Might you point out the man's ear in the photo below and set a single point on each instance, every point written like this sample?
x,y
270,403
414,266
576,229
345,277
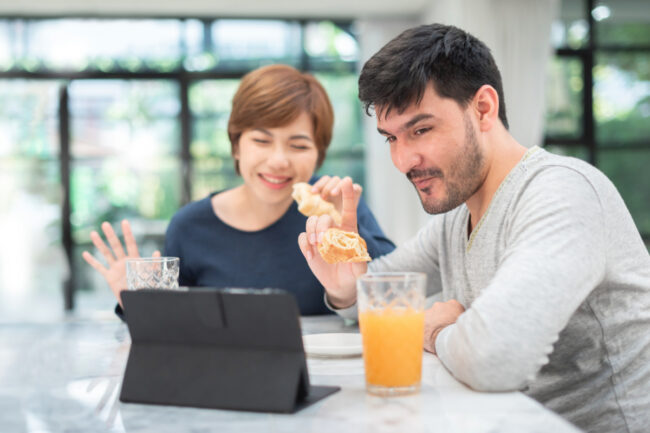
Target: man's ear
x,y
486,107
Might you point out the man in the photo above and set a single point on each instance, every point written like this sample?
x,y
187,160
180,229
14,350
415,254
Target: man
x,y
545,278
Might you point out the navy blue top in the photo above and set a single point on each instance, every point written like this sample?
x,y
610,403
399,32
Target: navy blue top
x,y
215,254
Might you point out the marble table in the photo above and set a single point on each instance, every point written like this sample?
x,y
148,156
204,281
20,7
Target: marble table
x,y
65,377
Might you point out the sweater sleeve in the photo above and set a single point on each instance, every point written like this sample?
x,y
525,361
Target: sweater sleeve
x,y
555,256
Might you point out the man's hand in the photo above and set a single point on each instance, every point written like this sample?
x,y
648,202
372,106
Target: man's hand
x,y
339,280
440,315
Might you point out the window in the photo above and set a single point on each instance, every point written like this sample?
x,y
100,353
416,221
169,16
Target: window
x,y
599,94
129,121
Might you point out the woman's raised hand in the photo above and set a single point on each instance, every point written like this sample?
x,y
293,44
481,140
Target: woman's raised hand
x,y
329,188
115,270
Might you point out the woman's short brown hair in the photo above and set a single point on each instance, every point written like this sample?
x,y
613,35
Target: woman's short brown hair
x,y
274,96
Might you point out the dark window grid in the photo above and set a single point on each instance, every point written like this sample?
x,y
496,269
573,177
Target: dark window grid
x,y
586,55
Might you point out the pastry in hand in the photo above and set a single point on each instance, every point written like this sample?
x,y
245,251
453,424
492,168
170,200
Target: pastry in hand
x,y
313,204
338,246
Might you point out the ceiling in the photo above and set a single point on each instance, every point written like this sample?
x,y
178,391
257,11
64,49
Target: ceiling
x,y
215,8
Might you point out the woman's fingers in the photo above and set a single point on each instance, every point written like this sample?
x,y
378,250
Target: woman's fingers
x,y
113,241
92,261
319,184
129,240
156,254
101,246
327,189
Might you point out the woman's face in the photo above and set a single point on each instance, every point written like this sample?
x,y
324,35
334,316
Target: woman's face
x,y
271,160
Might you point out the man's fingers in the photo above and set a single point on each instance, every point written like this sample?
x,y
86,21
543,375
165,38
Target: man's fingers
x,y
92,261
305,247
101,246
113,241
358,189
324,222
310,230
349,210
129,240
156,254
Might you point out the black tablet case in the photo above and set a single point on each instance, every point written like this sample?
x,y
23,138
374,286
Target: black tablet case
x,y
227,349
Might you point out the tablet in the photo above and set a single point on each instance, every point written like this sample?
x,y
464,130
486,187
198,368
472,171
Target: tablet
x,y
238,349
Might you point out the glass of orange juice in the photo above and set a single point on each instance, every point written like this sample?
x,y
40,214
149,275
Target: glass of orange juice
x,y
391,319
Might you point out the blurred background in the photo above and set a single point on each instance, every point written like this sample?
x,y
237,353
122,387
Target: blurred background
x,y
113,111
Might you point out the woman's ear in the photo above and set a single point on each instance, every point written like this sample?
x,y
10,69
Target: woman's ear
x,y
486,107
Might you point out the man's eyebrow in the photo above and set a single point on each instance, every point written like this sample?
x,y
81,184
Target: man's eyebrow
x,y
416,119
410,123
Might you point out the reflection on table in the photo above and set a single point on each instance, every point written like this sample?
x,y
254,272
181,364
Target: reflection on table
x,y
66,376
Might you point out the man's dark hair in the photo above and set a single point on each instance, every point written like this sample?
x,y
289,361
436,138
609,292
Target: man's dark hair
x,y
457,64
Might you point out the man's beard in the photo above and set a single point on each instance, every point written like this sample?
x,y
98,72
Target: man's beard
x,y
463,178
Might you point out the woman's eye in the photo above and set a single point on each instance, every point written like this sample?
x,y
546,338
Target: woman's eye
x,y
299,146
261,141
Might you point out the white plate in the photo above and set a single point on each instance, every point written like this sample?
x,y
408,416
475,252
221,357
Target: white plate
x,y
333,345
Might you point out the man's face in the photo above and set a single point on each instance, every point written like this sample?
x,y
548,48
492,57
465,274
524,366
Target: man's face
x,y
435,144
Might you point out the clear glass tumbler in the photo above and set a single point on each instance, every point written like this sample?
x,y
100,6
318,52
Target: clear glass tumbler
x,y
152,273
391,319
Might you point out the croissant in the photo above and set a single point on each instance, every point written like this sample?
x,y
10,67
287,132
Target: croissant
x,y
338,246
313,204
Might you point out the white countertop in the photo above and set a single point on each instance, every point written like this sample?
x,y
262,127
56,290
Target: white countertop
x,y
66,376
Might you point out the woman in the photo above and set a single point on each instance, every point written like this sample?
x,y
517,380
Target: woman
x,y
279,129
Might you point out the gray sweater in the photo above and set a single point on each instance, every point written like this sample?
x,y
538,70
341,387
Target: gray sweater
x,y
556,282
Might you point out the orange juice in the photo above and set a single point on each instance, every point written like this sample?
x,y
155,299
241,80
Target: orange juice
x,y
392,346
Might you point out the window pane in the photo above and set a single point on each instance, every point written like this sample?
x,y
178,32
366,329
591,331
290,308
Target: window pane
x,y
328,45
571,29
343,90
33,266
628,169
564,92
580,152
622,22
212,165
125,147
106,44
211,175
247,44
29,118
135,119
210,103
622,97
6,54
